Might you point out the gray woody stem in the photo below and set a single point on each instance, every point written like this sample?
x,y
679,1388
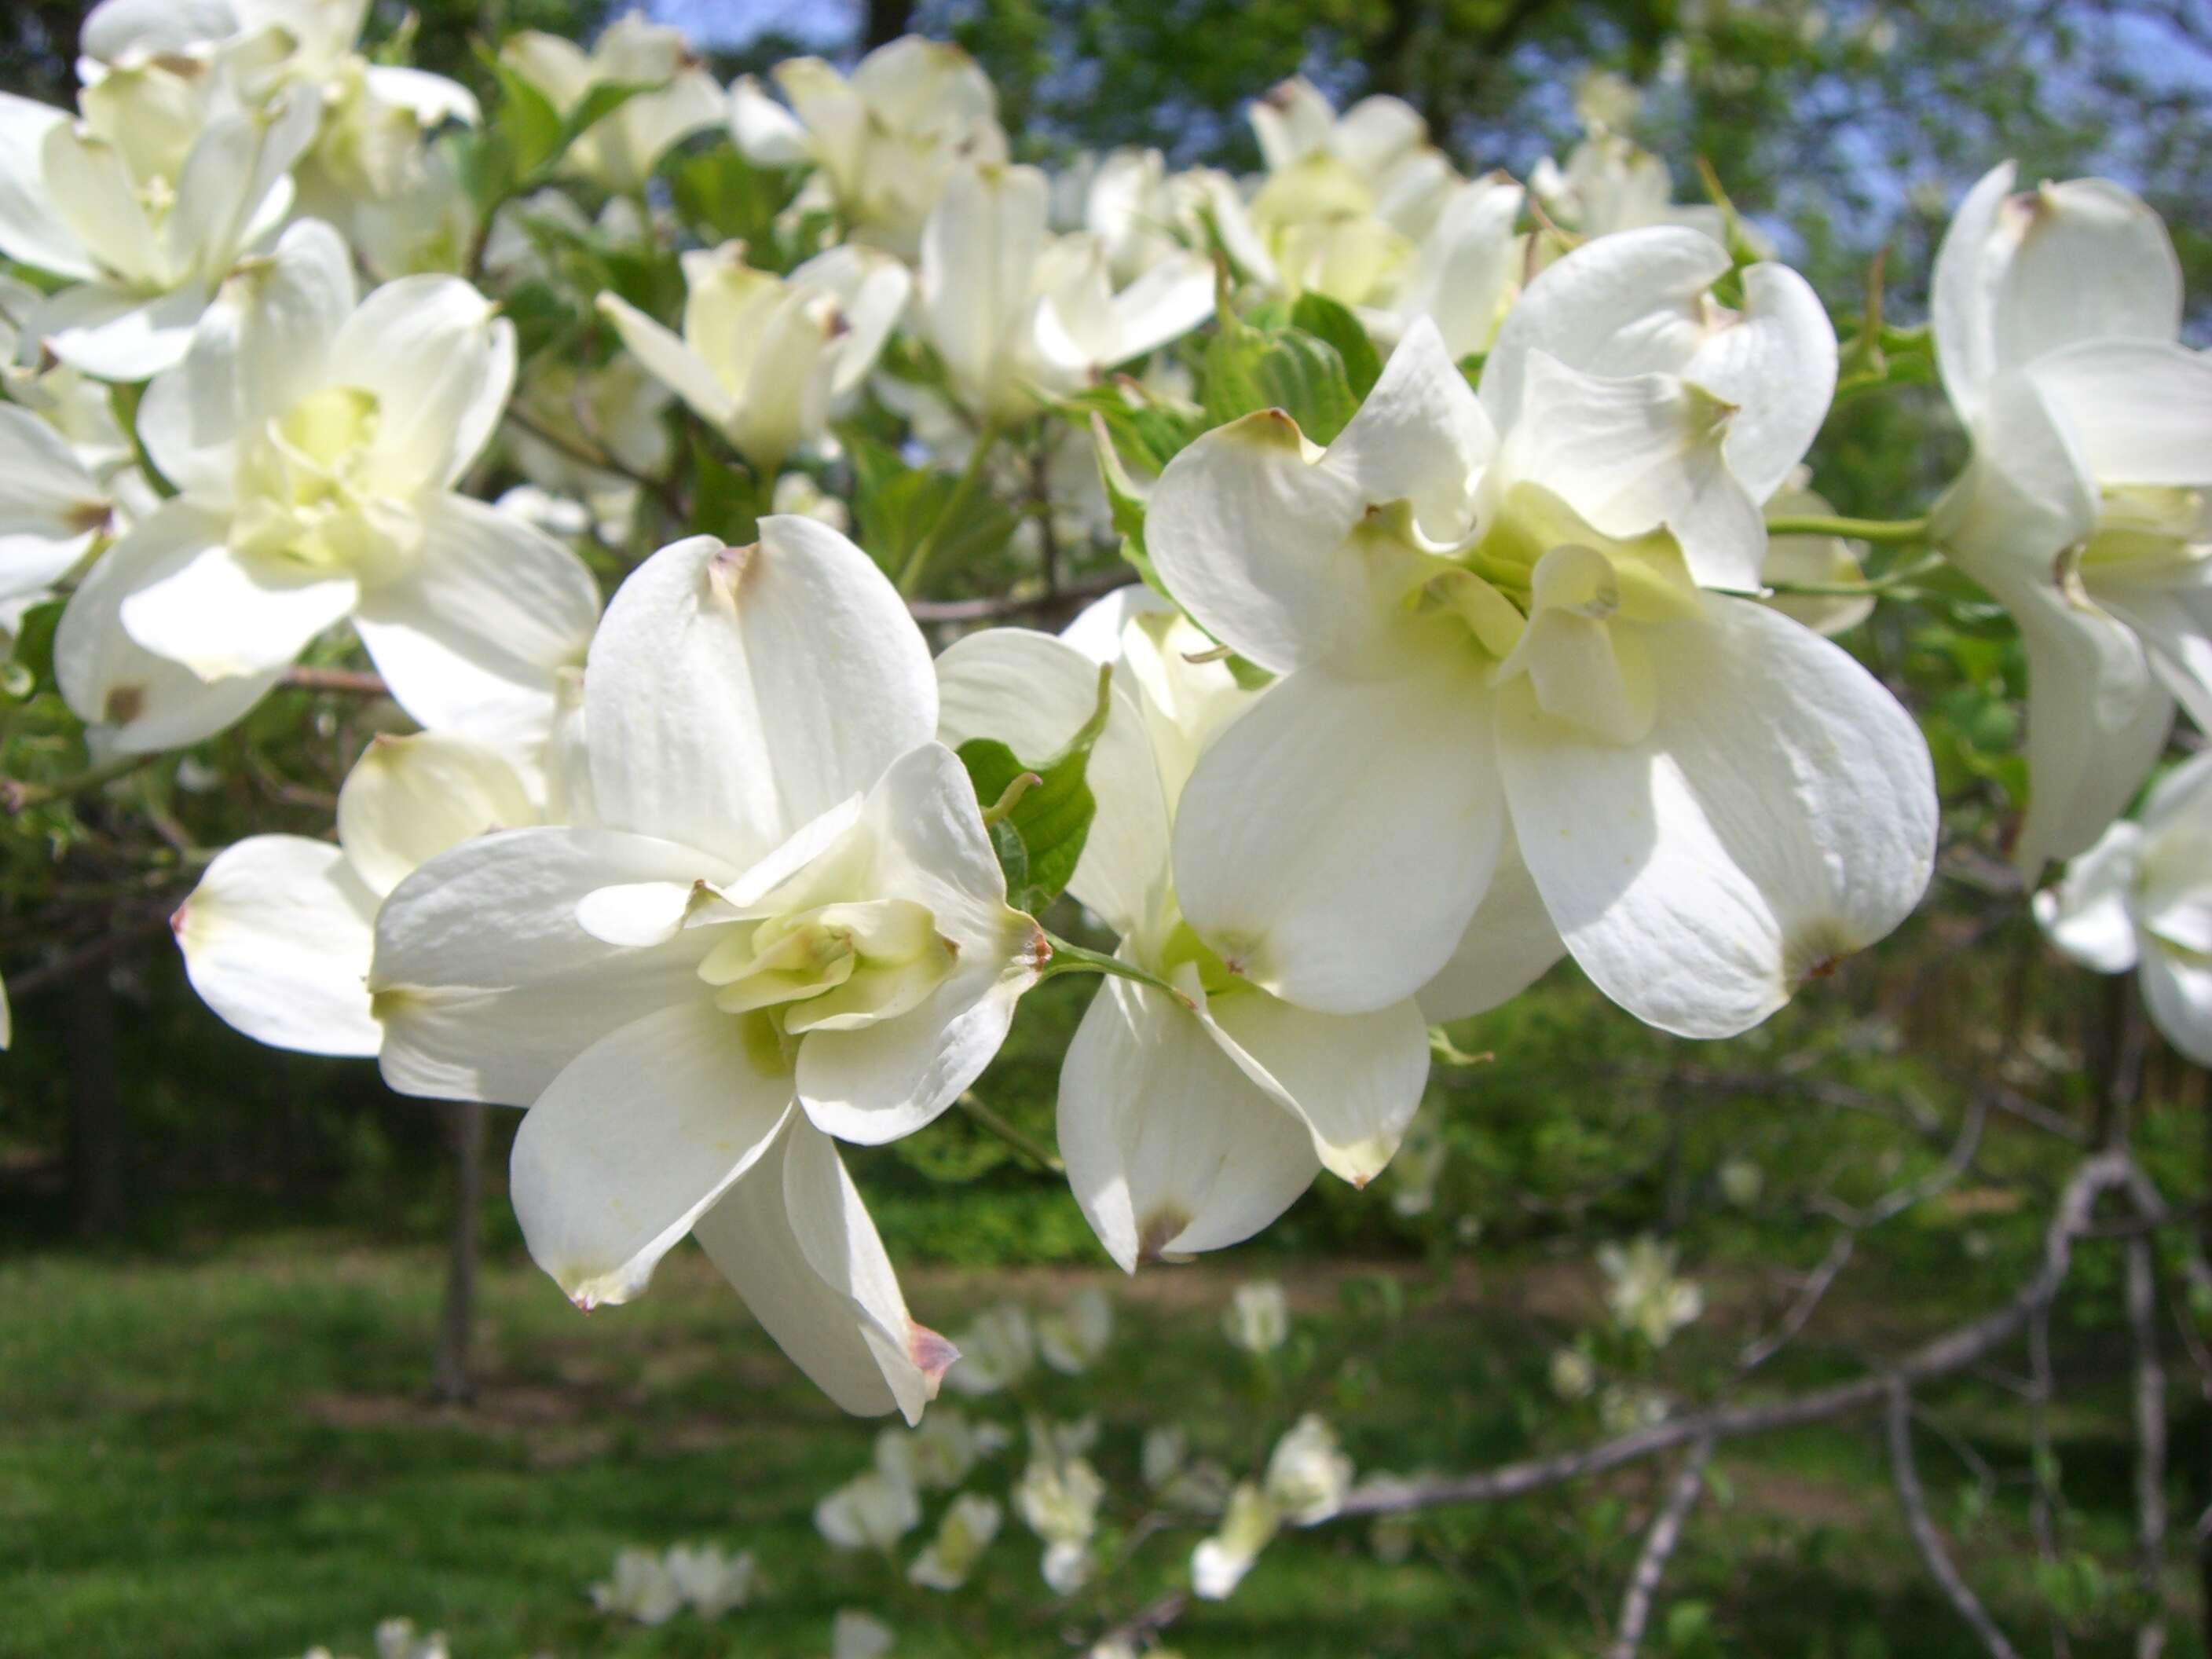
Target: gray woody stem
x,y
1658,1549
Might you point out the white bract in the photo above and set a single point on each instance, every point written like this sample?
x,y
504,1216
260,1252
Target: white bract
x,y
1187,1125
1072,1337
143,202
1058,1499
1018,314
766,359
2084,511
2141,898
641,1588
1512,711
617,152
316,443
873,1510
883,143
969,1524
787,925
277,936
1258,1317
996,1352
53,509
711,1580
1644,1293
1219,1563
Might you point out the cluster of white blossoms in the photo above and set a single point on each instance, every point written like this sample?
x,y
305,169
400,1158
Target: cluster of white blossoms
x,y
651,1587
1485,669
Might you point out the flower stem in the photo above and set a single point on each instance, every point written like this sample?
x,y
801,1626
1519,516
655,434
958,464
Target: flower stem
x,y
1069,958
1028,1146
1894,530
1891,581
917,563
16,796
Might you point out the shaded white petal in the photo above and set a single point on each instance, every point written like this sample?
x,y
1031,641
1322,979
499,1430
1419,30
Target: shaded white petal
x,y
1509,945
486,982
32,229
1780,814
733,693
2085,914
476,633
440,362
669,361
636,1138
117,334
133,701
1170,1149
50,506
1334,840
220,615
766,134
408,800
1354,1079
796,1242
277,939
2140,410
2177,991
1633,455
876,1083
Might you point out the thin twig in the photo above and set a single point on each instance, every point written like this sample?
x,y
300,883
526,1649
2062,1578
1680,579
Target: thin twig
x,y
352,682
2150,1445
1955,1350
58,970
1758,1354
2043,1506
1027,1145
1658,1549
1936,1558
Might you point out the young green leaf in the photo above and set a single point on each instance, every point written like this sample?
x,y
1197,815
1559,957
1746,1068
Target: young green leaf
x,y
1038,829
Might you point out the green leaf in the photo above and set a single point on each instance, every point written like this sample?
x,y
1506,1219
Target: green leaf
x,y
1324,319
897,505
35,643
1040,832
725,197
524,118
722,497
1247,368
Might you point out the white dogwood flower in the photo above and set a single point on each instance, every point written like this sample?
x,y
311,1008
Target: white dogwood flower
x,y
53,509
277,936
970,1522
143,203
1017,313
1512,714
2084,510
885,141
873,1510
1258,1317
1072,1337
2141,898
315,443
618,151
766,359
788,924
1189,1126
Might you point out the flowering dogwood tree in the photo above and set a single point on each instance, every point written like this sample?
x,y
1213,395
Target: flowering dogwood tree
x,y
810,579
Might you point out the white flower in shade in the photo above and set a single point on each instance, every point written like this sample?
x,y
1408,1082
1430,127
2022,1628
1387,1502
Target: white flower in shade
x,y
1418,1168
1381,142
1165,1448
143,203
2141,898
1219,1564
277,936
871,1511
2087,508
855,1635
1610,184
1308,1473
1058,1499
617,409
1573,1375
1017,315
641,1588
395,1638
1742,1182
1258,1317
1502,659
788,924
996,1352
939,1454
1189,1126
53,509
795,492
1643,1292
618,151
316,443
883,142
1815,561
712,1581
766,359
969,1524
1071,1336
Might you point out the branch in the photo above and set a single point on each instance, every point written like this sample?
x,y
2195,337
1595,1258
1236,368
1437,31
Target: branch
x,y
1658,1548
997,605
56,970
2150,1445
352,682
1917,1521
1954,1351
662,489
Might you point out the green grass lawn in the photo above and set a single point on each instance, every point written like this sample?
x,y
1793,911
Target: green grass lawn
x,y
233,1455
